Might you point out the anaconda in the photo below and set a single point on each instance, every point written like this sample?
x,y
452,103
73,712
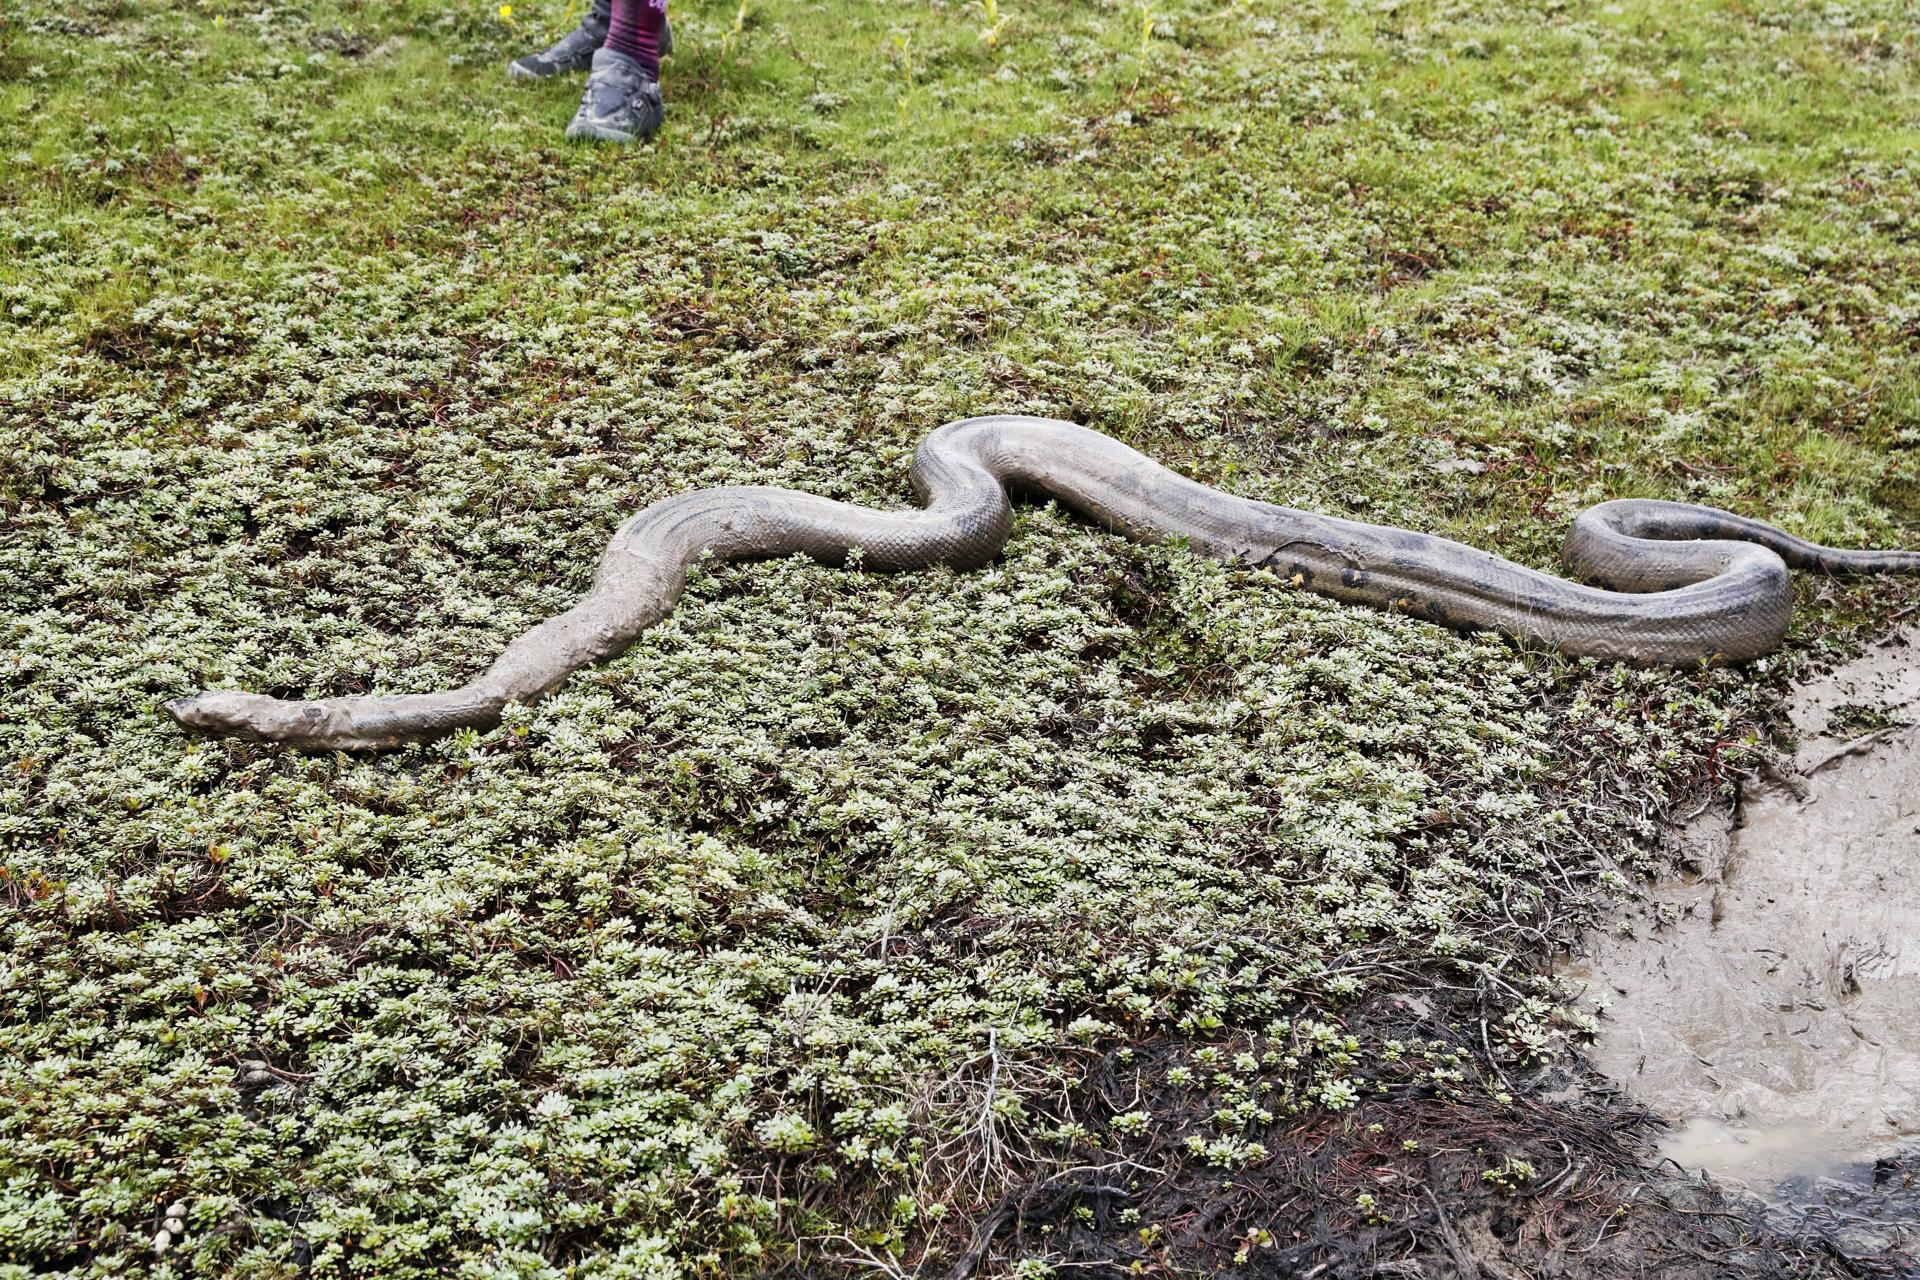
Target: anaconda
x,y
1667,583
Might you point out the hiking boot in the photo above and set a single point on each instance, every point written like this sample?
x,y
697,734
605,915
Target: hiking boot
x,y
574,51
570,53
621,103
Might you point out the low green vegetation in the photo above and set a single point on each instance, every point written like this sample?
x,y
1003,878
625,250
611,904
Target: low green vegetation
x,y
845,912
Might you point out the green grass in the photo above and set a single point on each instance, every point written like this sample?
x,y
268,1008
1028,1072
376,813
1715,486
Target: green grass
x,y
797,934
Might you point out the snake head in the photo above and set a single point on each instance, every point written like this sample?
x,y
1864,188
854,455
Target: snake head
x,y
225,713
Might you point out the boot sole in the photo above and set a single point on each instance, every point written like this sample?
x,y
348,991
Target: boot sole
x,y
577,132
517,72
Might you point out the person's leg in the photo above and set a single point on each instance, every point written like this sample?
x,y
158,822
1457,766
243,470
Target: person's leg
x,y
635,29
622,100
574,51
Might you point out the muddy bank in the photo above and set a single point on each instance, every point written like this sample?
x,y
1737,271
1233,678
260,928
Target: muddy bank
x,y
1767,1001
1399,1187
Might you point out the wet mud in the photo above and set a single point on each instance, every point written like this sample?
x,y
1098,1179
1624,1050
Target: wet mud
x,y
1767,1001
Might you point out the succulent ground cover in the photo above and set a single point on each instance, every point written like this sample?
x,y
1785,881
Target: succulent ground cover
x,y
1107,910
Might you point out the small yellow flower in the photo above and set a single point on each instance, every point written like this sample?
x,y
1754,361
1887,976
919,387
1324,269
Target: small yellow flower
x,y
219,19
506,11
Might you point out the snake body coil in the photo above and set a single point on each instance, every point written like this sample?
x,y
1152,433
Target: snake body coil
x,y
1674,584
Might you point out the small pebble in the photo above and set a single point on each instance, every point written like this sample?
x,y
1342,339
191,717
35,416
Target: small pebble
x,y
161,1239
178,1209
174,1225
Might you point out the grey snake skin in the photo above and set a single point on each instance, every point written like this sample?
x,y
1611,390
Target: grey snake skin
x,y
1673,584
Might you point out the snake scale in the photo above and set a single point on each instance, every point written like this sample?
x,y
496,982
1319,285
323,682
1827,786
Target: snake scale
x,y
1671,583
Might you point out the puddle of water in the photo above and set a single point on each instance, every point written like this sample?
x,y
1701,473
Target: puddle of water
x,y
1768,1003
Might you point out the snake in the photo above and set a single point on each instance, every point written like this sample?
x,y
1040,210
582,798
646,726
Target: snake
x,y
1664,583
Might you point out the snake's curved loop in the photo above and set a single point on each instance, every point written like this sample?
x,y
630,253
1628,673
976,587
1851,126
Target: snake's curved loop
x,y
1674,584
